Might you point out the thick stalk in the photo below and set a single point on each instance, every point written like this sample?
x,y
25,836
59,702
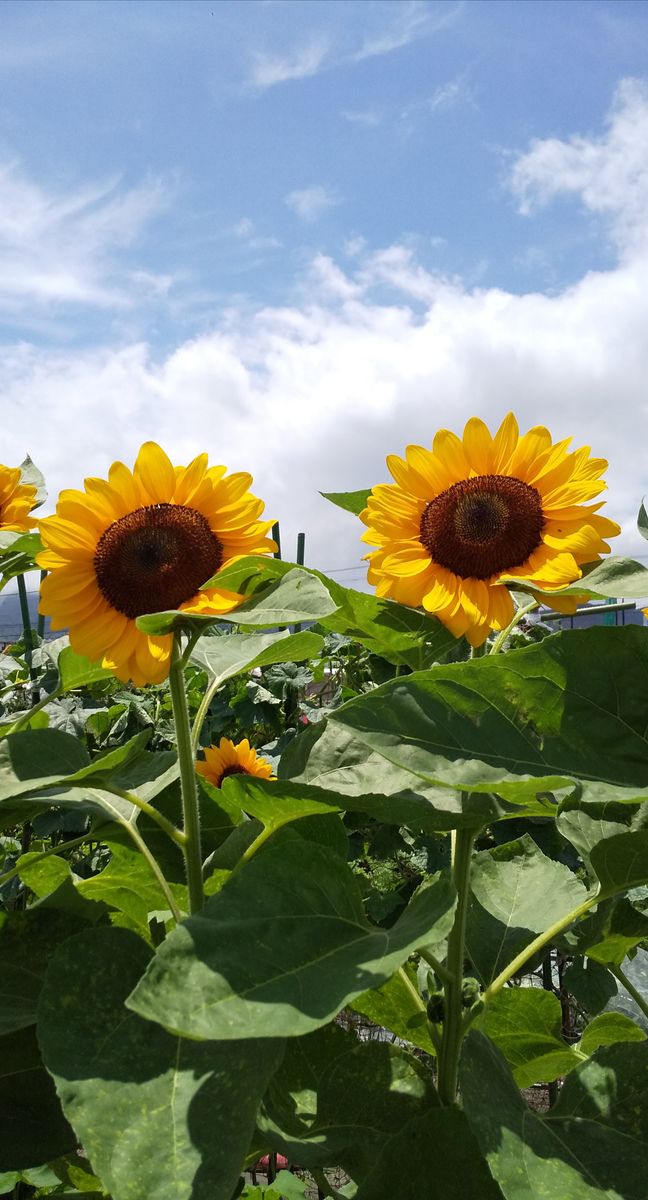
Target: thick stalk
x,y
191,850
462,844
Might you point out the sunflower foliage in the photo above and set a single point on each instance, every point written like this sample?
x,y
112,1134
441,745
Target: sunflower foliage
x,y
249,815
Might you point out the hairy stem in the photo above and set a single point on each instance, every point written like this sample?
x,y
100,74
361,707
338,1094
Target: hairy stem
x,y
199,719
176,835
498,644
538,943
191,849
154,867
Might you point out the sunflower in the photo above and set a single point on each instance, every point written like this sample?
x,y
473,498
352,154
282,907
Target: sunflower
x,y
16,501
144,541
232,759
469,512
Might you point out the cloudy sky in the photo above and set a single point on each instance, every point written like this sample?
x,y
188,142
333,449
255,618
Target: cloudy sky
x,y
302,234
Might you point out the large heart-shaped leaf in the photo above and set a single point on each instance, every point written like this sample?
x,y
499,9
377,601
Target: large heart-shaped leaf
x,y
570,707
282,948
593,1144
157,1116
517,892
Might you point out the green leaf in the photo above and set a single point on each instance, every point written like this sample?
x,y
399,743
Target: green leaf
x,y
609,934
621,862
607,1030
525,1024
301,908
43,875
27,941
33,1129
225,657
128,886
402,635
591,985
591,1146
299,596
328,756
517,892
275,802
145,1105
29,474
335,1101
435,1157
533,721
392,1006
642,521
613,578
38,756
76,671
353,502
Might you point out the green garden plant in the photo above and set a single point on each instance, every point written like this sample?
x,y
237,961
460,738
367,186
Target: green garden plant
x,y
199,916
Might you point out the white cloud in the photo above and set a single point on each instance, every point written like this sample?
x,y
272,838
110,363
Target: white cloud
x,y
405,23
59,247
269,70
608,173
311,202
412,21
368,358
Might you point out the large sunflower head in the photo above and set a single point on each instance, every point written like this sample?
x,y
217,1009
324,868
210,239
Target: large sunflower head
x,y
145,541
16,501
470,511
229,758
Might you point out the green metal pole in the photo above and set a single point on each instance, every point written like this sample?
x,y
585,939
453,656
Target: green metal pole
x,y
277,538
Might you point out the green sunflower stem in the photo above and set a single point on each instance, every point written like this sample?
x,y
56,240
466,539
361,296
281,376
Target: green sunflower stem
x,y
521,612
453,1030
192,849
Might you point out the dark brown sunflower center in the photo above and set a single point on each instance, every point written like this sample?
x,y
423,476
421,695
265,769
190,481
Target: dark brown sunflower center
x,y
155,558
483,526
233,770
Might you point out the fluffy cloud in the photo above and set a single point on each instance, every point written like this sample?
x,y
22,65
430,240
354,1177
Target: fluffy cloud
x,y
609,174
309,203
58,249
312,396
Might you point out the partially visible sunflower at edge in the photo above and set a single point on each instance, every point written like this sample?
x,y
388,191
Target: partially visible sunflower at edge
x,y
144,541
469,511
16,501
229,758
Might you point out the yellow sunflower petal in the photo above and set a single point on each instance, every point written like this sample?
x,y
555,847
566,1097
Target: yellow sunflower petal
x,y
139,543
471,513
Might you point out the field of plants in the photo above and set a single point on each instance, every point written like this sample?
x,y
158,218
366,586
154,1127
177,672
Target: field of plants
x,y
249,814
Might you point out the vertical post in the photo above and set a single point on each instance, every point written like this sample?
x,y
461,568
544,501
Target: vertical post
x,y
277,538
40,627
548,985
301,543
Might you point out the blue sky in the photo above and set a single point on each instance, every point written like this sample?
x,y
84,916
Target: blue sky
x,y
308,233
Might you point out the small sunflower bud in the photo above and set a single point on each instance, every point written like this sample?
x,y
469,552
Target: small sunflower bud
x,y
436,1008
470,992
